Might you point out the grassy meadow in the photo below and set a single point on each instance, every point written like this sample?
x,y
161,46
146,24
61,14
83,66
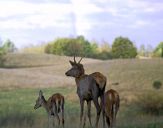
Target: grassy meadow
x,y
24,75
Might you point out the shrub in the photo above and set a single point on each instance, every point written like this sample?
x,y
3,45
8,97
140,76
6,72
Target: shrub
x,y
157,84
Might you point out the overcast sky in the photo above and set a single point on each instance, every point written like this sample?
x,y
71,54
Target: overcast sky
x,y
33,21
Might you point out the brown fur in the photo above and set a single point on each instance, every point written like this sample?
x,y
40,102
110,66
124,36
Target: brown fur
x,y
89,88
100,79
111,106
57,99
53,106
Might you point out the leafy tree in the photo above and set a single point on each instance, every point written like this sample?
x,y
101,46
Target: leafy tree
x,y
9,46
2,52
65,46
159,50
123,48
6,47
72,46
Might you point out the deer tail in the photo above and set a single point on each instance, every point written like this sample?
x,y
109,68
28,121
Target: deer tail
x,y
58,106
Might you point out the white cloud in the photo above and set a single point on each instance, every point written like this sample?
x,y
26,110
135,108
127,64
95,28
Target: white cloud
x,y
139,24
79,16
81,9
46,15
33,15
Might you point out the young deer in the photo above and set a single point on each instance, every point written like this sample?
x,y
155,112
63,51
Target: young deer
x,y
53,106
89,87
111,107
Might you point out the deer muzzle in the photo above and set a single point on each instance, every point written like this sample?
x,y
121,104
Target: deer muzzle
x,y
67,74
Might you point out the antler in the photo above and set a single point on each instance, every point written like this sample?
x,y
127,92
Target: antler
x,y
74,59
80,60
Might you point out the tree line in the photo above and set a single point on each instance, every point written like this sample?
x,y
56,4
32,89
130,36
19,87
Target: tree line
x,y
122,47
79,46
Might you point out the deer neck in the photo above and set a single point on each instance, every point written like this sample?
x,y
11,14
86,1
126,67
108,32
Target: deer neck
x,y
45,104
77,79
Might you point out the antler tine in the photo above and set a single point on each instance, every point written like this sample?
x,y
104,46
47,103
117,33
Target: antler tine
x,y
80,60
74,59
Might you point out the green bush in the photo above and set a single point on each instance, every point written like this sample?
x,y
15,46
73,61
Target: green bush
x,y
157,84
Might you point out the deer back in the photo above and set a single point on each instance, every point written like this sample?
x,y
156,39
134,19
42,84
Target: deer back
x,y
100,79
111,98
55,102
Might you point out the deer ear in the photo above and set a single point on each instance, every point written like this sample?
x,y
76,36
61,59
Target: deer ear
x,y
71,62
40,93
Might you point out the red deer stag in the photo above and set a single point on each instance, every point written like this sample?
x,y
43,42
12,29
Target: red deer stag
x,y
53,106
89,87
111,107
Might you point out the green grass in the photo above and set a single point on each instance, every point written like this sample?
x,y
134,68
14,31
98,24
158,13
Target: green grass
x,y
17,106
16,110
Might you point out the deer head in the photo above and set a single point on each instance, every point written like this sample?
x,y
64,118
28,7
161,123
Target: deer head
x,y
39,100
76,70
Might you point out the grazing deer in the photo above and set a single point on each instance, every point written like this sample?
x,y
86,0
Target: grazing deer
x,y
111,107
53,106
89,87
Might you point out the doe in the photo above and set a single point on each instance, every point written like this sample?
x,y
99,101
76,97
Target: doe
x,y
111,107
53,106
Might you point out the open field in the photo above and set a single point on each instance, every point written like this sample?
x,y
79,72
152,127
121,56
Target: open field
x,y
28,73
17,111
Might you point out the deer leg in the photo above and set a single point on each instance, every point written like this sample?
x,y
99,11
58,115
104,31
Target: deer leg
x,y
114,114
103,114
116,110
49,121
98,110
111,117
62,108
81,111
103,109
53,111
84,119
54,122
108,121
89,112
58,118
111,122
